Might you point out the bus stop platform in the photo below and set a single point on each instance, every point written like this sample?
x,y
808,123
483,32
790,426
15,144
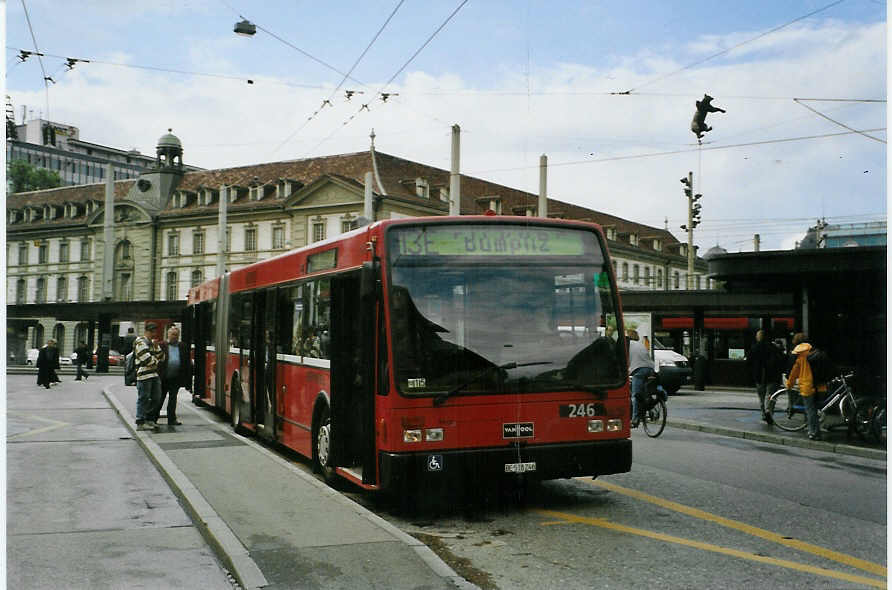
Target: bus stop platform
x,y
735,412
272,524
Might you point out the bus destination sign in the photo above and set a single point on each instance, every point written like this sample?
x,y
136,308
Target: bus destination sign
x,y
487,241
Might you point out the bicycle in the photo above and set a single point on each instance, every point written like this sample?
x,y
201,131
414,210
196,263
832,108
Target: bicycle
x,y
652,407
786,408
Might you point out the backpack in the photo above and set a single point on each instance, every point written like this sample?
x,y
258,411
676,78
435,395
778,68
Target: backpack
x,y
130,369
822,368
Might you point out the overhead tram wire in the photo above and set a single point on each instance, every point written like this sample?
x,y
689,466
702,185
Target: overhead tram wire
x,y
393,77
46,86
344,79
175,71
685,151
729,49
843,125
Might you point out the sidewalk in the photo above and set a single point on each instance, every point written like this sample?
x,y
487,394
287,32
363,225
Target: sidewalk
x,y
735,412
274,525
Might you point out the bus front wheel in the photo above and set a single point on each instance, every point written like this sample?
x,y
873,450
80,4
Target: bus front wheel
x,y
322,445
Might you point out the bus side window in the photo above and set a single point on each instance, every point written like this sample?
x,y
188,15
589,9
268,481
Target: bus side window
x,y
287,314
317,312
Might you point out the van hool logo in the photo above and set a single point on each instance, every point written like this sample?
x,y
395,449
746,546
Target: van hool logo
x,y
517,430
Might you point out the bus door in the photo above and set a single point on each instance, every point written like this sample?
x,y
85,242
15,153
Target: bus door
x,y
242,325
199,337
352,371
263,381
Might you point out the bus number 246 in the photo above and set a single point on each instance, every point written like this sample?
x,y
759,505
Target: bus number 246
x,y
579,410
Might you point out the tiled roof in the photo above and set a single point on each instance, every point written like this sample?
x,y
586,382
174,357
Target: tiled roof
x,y
397,177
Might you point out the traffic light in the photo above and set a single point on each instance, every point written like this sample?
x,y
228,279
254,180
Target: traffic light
x,y
687,186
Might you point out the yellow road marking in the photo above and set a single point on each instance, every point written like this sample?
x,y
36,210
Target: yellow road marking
x,y
54,424
868,566
600,522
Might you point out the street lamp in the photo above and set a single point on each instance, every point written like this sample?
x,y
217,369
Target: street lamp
x,y
245,28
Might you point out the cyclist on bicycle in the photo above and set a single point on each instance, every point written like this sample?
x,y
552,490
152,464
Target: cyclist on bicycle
x,y
640,368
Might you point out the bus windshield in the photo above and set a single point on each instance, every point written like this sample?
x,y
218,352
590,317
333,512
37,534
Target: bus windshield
x,y
501,322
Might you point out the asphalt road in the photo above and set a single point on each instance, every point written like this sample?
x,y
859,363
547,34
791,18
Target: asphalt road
x,y
697,511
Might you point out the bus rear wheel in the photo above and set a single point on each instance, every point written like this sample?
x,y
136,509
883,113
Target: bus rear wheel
x,y
322,446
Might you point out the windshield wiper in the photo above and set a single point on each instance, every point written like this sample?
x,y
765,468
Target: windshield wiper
x,y
440,399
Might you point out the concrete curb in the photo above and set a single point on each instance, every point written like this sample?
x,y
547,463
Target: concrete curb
x,y
215,531
781,440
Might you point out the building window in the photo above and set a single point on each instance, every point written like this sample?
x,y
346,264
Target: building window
x,y
278,237
636,274
676,279
172,286
125,287
250,239
625,271
23,253
40,294
198,243
83,289
697,279
346,226
42,253
62,289
318,231
228,246
173,244
63,251
20,291
647,276
614,268
125,250
196,277
659,278
85,250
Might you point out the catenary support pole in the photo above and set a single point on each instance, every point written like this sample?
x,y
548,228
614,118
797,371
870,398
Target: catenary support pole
x,y
455,176
543,186
221,231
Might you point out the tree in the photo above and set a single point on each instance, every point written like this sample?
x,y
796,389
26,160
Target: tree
x,y
22,176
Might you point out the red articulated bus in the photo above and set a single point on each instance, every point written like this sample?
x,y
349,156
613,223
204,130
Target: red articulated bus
x,y
415,352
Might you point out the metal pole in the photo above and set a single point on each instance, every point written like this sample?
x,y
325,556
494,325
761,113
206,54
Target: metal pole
x,y
455,176
221,231
367,210
756,243
690,281
108,253
543,186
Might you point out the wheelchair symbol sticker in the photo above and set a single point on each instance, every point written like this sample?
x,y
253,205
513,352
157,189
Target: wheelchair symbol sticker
x,y
435,463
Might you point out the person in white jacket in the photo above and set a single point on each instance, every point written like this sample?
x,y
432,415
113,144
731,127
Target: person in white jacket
x,y
641,366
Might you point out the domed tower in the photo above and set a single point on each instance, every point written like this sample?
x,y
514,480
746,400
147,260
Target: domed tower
x,y
714,251
155,186
169,153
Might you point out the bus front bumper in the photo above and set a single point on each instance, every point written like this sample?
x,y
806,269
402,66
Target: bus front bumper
x,y
533,461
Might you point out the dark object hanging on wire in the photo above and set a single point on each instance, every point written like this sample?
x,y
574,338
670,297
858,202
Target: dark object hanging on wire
x,y
704,107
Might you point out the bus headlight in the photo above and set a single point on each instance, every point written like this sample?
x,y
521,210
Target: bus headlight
x,y
596,426
433,434
412,436
614,425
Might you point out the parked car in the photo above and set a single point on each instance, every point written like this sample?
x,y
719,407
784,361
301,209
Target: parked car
x,y
673,369
114,358
32,356
66,360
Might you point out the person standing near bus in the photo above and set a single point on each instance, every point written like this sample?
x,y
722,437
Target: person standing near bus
x,y
174,371
766,364
640,368
148,356
47,363
801,372
82,354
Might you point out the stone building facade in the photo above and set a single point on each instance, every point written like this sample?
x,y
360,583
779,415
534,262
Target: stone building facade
x,y
166,220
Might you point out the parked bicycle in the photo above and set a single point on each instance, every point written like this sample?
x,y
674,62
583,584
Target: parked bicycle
x,y
839,407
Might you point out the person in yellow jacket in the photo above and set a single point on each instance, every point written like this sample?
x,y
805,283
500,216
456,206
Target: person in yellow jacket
x,y
801,371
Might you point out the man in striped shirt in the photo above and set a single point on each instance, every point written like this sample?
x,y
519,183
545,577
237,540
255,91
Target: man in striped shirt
x,y
147,355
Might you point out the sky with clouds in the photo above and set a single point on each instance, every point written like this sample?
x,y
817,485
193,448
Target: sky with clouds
x,y
521,78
